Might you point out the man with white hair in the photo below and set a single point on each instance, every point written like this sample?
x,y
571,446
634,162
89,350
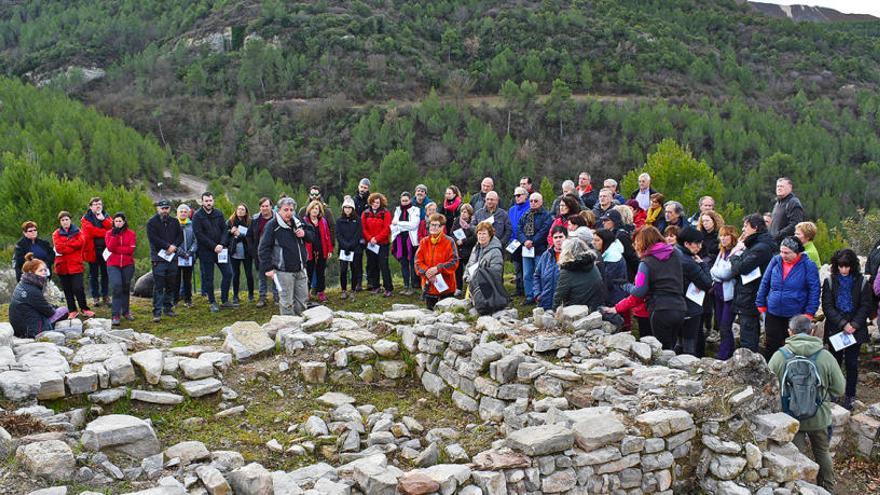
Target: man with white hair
x,y
644,192
611,184
497,216
567,188
586,195
532,232
706,203
283,256
478,201
605,203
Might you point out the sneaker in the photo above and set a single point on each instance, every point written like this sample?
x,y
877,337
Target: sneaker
x,y
170,313
236,301
157,318
88,313
128,316
188,304
214,308
322,297
403,291
106,300
72,315
457,293
96,302
115,321
228,305
344,295
357,288
375,290
251,298
261,302
388,293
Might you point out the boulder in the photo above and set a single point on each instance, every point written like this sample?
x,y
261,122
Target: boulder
x,y
97,353
196,369
19,386
120,433
51,459
246,340
252,479
317,318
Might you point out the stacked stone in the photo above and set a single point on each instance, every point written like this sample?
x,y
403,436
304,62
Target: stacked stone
x,y
866,428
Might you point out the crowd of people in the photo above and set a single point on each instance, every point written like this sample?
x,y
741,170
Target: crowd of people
x,y
683,280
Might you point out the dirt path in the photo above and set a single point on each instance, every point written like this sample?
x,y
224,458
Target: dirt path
x,y
190,188
473,101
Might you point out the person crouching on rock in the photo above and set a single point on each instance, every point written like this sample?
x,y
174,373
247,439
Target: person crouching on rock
x,y
29,312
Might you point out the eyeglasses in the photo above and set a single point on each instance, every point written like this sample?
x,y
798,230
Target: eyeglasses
x,y
435,225
534,200
519,195
314,195
31,230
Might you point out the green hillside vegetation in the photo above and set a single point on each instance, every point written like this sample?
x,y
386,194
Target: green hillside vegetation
x,y
296,93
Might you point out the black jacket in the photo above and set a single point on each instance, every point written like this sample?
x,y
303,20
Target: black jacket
x,y
787,212
349,234
629,252
25,246
29,311
863,303
360,203
760,249
590,199
711,246
280,249
249,240
163,234
580,282
467,244
693,273
210,230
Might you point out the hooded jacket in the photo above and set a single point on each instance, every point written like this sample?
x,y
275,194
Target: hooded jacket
x,y
625,237
349,234
795,294
580,283
659,280
41,249
545,278
829,373
210,230
693,273
614,273
163,233
759,250
29,311
863,303
444,256
280,249
94,231
69,246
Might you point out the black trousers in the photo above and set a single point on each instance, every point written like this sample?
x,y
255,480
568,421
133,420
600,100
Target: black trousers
x,y
184,284
317,270
775,333
74,292
377,263
644,326
164,286
247,264
357,270
665,324
691,328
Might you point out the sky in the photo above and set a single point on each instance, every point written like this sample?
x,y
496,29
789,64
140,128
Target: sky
x,y
848,6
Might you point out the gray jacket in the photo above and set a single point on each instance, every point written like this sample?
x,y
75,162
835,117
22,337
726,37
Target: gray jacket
x,y
502,225
491,256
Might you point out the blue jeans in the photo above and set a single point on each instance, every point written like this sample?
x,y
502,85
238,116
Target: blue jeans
x,y
120,281
207,262
164,286
528,269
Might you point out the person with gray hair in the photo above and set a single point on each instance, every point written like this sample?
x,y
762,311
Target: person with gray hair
x,y
186,254
611,184
673,214
802,346
496,216
283,256
580,281
532,231
644,192
421,200
706,203
478,200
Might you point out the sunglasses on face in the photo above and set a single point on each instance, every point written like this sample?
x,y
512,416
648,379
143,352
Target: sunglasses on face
x,y
31,230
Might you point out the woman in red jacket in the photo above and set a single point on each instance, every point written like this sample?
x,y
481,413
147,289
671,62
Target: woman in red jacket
x,y
376,226
95,224
69,242
319,251
121,242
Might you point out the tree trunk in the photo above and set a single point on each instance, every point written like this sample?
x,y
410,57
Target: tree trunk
x,y
508,122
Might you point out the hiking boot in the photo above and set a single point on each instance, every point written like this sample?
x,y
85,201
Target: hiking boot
x,y
128,316
170,313
157,318
88,313
214,308
228,305
236,301
72,315
115,321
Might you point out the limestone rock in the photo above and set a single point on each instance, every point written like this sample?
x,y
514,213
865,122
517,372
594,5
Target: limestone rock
x,y
779,427
541,440
599,431
214,482
664,422
51,459
188,452
252,479
199,388
155,397
151,363
317,318
196,369
121,433
246,340
19,386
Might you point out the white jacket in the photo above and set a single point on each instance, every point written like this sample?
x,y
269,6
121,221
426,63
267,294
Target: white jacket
x,y
411,226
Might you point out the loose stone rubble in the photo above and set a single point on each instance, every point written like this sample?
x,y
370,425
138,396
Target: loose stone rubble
x,y
577,408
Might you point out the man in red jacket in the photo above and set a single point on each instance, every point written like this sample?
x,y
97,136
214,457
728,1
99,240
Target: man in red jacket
x,y
95,224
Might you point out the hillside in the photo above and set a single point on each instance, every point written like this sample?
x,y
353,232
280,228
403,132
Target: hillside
x,y
807,13
301,91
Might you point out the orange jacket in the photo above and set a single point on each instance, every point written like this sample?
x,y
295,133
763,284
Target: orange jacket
x,y
443,255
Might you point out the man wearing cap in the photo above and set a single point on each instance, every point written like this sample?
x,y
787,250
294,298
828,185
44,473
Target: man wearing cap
x,y
421,200
478,201
695,278
360,205
165,234
519,206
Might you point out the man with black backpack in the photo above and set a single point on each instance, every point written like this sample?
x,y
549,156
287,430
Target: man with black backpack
x,y
808,377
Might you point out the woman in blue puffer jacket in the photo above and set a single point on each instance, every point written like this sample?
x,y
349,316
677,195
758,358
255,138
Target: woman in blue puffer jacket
x,y
547,270
790,287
